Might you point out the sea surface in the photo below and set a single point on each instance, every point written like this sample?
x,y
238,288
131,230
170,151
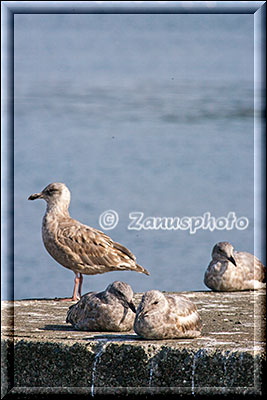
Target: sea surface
x,y
146,113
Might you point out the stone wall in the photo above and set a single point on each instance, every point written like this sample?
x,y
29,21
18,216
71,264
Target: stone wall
x,y
43,354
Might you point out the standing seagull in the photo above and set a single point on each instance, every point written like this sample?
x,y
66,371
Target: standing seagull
x,y
76,246
160,316
231,270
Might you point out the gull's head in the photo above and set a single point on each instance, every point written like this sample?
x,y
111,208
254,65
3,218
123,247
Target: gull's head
x,y
152,302
223,251
54,194
123,292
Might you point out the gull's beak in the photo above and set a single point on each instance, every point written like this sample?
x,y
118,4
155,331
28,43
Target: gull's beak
x,y
35,196
141,308
132,306
232,260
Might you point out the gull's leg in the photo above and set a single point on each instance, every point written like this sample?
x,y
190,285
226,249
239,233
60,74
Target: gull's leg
x,y
77,284
80,285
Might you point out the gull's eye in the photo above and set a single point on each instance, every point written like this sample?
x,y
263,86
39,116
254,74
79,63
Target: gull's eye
x,y
50,191
156,302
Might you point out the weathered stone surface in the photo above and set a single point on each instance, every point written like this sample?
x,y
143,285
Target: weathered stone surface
x,y
50,356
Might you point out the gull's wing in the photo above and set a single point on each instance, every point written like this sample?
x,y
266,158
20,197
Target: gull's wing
x,y
87,247
251,265
185,313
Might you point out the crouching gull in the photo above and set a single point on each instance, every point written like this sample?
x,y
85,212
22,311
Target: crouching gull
x,y
231,270
161,316
76,246
111,310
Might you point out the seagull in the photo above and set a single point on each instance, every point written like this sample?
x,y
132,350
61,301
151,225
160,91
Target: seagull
x,y
76,246
161,316
111,310
231,270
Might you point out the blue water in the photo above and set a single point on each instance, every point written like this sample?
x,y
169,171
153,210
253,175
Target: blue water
x,y
149,113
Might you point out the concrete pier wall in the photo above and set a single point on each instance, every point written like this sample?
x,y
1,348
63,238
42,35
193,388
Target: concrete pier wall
x,y
43,354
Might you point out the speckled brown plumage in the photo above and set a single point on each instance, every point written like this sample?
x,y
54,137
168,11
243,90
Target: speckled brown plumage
x,y
110,310
160,316
76,246
232,270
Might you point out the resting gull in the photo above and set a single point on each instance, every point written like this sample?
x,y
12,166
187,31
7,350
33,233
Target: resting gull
x,y
231,270
111,310
160,316
76,246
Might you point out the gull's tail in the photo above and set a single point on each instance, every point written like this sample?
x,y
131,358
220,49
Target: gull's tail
x,y
139,268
